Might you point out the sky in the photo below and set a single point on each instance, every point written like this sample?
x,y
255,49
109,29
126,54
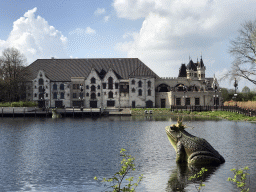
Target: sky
x,y
161,33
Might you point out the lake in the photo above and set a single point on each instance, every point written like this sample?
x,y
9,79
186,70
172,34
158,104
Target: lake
x,y
44,154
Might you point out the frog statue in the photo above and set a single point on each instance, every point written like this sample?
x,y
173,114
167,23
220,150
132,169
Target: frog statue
x,y
191,149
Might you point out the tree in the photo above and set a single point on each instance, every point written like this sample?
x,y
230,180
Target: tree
x,y
13,74
243,48
246,89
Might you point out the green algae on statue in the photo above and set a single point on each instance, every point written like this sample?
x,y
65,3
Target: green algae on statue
x,y
191,149
55,114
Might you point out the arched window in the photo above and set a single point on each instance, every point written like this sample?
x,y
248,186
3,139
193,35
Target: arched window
x,y
149,83
98,94
110,83
133,82
149,92
140,92
55,95
92,88
87,94
110,94
87,86
61,86
140,84
93,80
133,90
41,81
93,96
98,86
62,95
54,86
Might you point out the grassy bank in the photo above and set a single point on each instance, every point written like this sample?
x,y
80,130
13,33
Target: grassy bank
x,y
219,114
19,104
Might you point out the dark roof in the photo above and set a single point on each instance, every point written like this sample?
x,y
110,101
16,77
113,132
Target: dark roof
x,y
183,72
192,65
201,64
64,69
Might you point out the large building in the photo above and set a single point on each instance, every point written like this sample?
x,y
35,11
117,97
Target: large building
x,y
117,82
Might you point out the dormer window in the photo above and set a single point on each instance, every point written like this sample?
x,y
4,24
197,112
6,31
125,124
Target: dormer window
x,y
41,81
93,80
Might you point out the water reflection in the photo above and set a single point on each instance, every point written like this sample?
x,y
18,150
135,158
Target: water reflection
x,y
179,178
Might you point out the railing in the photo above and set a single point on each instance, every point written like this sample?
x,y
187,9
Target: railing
x,y
235,109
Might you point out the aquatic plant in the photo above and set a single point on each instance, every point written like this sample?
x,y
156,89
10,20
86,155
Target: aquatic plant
x,y
118,178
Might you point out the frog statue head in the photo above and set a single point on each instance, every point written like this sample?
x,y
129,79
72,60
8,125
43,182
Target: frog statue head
x,y
174,132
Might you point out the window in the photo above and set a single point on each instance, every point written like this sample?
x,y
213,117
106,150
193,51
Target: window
x,y
41,75
54,86
62,95
110,83
81,95
140,92
74,95
110,94
41,89
35,87
187,101
87,86
116,85
61,86
104,85
140,84
93,80
98,94
54,95
41,81
133,90
87,94
98,86
46,95
74,86
149,84
93,88
178,101
197,101
35,95
105,93
133,82
93,96
195,75
149,92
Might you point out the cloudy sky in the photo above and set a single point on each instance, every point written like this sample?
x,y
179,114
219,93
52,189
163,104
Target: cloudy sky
x,y
161,33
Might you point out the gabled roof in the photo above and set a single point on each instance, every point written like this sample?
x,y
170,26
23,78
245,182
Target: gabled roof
x,y
192,66
64,69
182,71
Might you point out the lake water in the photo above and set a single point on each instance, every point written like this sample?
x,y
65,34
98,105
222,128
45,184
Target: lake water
x,y
65,154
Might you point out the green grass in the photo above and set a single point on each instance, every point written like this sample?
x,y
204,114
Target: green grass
x,y
19,104
219,114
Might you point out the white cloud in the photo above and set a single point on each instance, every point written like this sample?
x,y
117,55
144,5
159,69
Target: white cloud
x,y
173,30
80,31
99,11
35,38
106,18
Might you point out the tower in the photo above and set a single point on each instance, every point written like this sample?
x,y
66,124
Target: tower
x,y
201,70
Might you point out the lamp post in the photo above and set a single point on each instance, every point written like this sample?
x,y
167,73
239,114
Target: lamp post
x,y
236,87
185,90
215,95
81,96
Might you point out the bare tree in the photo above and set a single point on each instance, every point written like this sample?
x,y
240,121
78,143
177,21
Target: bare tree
x,y
243,48
12,74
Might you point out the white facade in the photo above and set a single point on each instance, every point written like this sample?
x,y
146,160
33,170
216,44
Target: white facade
x,y
109,90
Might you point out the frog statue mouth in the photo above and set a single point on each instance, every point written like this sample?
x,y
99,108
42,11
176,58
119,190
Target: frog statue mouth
x,y
172,136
